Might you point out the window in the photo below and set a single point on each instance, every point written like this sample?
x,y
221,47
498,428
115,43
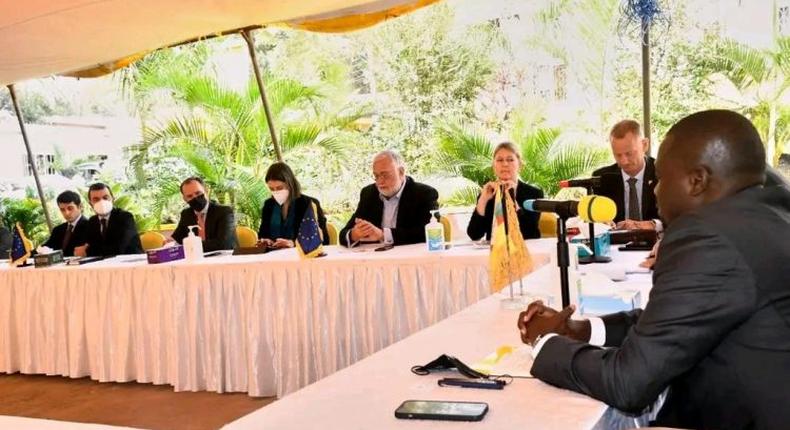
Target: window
x,y
44,164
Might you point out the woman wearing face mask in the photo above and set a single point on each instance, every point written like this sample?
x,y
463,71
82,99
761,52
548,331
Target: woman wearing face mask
x,y
283,212
506,165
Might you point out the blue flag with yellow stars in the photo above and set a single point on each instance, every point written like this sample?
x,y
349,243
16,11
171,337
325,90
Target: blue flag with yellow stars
x,y
309,240
20,248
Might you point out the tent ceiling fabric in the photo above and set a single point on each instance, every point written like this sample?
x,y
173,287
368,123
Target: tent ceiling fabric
x,y
39,38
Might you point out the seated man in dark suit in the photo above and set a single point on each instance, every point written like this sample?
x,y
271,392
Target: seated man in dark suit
x,y
393,210
715,335
73,232
633,192
112,230
217,223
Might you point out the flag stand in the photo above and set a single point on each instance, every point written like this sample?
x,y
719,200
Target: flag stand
x,y
510,302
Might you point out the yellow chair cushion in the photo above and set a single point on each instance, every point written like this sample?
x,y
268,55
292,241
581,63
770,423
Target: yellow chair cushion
x,y
246,236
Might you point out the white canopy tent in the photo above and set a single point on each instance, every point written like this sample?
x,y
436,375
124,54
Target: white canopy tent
x,y
86,38
39,38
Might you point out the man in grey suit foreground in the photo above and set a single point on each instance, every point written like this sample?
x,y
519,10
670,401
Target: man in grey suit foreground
x,y
715,335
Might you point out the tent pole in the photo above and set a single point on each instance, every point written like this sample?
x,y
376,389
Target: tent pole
x,y
646,82
269,120
30,156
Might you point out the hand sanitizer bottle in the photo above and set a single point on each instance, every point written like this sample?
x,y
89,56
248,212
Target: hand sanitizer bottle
x,y
434,232
193,245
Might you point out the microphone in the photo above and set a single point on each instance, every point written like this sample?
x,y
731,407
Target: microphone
x,y
588,208
593,182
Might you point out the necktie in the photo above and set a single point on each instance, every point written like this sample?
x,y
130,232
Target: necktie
x,y
67,236
634,211
103,227
202,224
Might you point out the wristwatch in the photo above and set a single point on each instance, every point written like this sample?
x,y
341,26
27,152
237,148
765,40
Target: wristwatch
x,y
537,339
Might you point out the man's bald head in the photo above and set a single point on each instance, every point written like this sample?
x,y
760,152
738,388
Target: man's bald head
x,y
707,156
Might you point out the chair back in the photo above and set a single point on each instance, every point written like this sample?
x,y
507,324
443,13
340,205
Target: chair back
x,y
448,228
152,240
332,230
547,224
246,237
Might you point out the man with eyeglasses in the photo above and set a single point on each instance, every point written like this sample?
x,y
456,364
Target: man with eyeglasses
x,y
394,209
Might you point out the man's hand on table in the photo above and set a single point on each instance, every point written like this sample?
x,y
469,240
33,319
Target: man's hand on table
x,y
539,320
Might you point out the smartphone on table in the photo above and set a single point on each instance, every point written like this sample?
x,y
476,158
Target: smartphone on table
x,y
441,410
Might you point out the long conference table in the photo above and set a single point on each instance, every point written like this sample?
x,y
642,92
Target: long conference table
x,y
266,325
366,394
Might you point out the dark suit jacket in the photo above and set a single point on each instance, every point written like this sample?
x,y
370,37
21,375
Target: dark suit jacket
x,y
121,236
78,237
6,241
616,191
480,225
299,207
220,227
716,330
414,208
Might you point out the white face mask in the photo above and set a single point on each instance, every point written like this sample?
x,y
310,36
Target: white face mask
x,y
102,207
280,196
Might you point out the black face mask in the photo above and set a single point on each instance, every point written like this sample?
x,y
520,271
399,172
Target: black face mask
x,y
197,203
448,362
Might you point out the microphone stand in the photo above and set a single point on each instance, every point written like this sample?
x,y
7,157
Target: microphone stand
x,y
563,260
592,258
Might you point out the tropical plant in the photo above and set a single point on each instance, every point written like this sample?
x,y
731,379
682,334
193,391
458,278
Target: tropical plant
x,y
424,70
27,212
221,134
546,157
581,34
762,79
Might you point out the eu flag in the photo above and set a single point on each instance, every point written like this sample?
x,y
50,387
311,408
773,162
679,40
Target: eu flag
x,y
309,240
20,248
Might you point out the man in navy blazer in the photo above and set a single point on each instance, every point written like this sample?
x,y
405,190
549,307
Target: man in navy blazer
x,y
73,232
633,172
112,230
394,209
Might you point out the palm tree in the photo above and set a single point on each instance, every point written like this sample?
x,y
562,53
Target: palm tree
x,y
221,134
547,158
761,78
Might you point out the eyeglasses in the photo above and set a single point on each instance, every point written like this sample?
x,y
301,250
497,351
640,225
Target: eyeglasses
x,y
385,176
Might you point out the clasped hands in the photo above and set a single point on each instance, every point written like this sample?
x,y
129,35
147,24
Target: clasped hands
x,y
539,320
365,231
490,189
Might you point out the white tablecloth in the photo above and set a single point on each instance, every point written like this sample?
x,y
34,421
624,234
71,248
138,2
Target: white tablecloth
x,y
366,394
263,324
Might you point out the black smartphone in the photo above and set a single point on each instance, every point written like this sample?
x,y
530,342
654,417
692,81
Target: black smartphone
x,y
386,247
636,246
441,410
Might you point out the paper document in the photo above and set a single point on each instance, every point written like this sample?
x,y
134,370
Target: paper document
x,y
507,360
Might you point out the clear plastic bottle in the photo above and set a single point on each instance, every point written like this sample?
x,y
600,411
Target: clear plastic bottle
x,y
193,245
434,232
